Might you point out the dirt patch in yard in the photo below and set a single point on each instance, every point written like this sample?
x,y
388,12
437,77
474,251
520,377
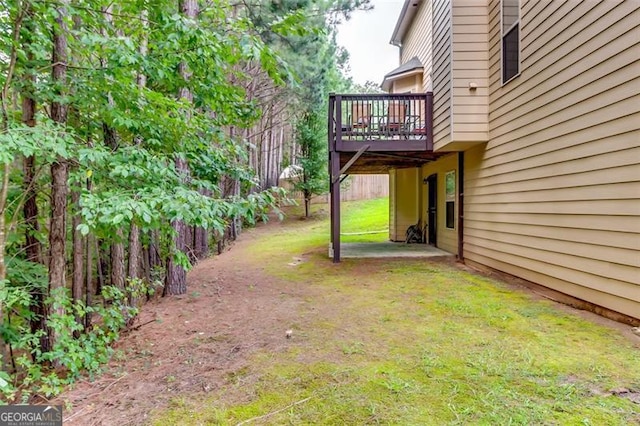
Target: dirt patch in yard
x,y
192,344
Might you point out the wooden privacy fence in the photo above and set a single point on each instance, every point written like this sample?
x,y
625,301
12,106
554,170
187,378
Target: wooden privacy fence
x,y
354,187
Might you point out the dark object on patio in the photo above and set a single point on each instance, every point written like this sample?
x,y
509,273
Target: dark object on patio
x,y
416,234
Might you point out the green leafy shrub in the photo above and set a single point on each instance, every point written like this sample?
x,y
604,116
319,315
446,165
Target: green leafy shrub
x,y
76,351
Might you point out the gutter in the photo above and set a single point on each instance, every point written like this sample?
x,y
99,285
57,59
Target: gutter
x,y
407,13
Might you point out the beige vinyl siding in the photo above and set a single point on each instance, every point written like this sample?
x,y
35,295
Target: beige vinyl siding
x,y
417,42
470,117
553,197
441,74
409,84
405,203
447,238
603,298
392,205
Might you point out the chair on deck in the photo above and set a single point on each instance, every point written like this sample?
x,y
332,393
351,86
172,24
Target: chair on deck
x,y
360,115
394,122
416,127
359,120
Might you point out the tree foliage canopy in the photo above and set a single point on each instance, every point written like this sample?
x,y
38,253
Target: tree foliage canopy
x,y
141,119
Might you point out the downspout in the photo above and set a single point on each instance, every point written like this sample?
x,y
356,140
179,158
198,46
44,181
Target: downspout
x,y
461,206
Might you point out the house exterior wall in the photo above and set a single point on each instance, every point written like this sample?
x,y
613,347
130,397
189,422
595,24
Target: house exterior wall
x,y
409,84
552,157
441,71
447,238
460,74
470,46
392,205
404,201
553,196
417,42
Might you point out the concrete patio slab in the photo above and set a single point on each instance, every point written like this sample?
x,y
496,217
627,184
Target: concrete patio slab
x,y
390,249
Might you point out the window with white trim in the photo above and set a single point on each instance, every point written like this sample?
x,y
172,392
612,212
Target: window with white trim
x,y
450,199
510,39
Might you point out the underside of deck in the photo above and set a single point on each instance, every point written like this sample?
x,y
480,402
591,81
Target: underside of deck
x,y
382,162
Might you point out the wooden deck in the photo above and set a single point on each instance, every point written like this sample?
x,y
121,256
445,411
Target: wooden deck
x,y
385,122
373,133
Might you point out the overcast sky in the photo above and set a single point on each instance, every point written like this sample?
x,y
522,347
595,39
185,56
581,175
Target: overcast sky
x,y
366,36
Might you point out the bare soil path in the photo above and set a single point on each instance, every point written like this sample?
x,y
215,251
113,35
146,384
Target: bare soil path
x,y
189,345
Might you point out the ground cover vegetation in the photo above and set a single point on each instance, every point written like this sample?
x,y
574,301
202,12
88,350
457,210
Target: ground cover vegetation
x,y
136,138
408,341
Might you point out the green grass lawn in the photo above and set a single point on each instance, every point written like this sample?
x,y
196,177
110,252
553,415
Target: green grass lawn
x,y
411,342
367,217
362,221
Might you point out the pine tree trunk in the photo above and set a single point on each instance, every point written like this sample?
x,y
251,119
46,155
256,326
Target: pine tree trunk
x,y
235,222
117,262
59,170
4,188
110,139
102,266
155,260
176,279
77,279
135,252
135,245
33,246
152,260
176,282
89,290
201,243
189,239
269,148
201,236
118,277
135,260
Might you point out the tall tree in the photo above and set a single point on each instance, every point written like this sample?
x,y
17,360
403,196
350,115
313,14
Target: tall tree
x,y
172,122
317,63
311,177
33,246
176,272
59,169
135,246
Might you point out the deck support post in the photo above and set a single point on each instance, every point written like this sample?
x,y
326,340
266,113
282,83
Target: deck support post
x,y
335,205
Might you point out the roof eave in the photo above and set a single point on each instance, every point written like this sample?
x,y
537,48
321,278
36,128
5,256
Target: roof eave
x,y
407,13
389,79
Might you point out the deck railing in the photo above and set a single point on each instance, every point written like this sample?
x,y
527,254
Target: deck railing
x,y
386,122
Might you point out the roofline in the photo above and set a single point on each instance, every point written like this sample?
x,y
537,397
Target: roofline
x,y
391,78
406,16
